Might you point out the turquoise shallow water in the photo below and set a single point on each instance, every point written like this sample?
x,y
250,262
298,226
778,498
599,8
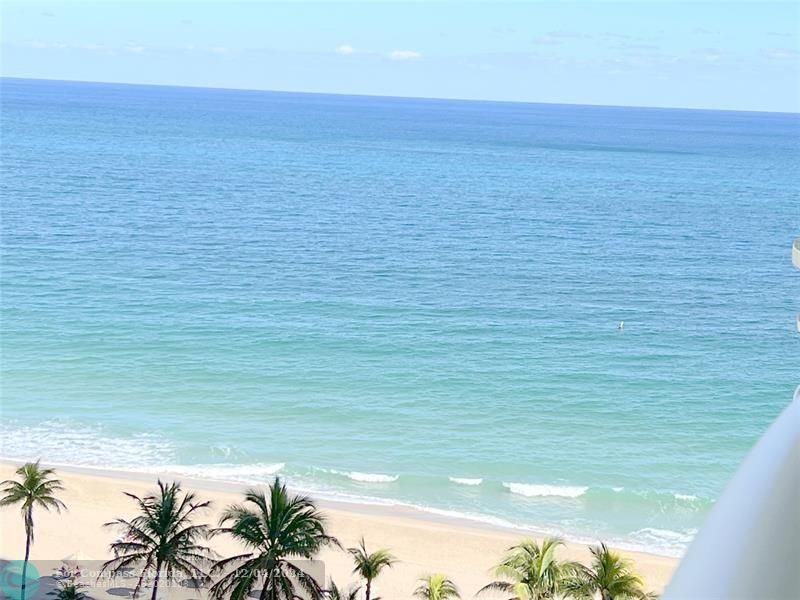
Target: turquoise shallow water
x,y
376,296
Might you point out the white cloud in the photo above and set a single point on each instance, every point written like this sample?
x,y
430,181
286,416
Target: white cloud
x,y
133,49
556,37
546,39
38,45
710,55
345,50
569,34
404,55
781,53
219,50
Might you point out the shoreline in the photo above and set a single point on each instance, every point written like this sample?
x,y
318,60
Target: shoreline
x,y
423,541
352,504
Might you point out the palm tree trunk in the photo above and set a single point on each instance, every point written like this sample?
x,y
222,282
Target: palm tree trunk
x,y
155,581
267,591
28,535
25,567
366,595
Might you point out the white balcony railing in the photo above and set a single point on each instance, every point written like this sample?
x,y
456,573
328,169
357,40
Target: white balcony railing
x,y
749,547
796,263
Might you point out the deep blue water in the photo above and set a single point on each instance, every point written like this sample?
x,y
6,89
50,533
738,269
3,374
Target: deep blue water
x,y
383,294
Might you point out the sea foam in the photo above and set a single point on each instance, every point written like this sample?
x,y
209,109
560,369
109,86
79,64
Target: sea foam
x,y
64,442
367,477
663,541
246,473
531,490
466,480
685,497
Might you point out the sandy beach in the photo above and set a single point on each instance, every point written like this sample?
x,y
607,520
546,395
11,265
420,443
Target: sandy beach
x,y
422,543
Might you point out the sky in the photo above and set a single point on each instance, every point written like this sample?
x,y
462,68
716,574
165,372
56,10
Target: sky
x,y
738,55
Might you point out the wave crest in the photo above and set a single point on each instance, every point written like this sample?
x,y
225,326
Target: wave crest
x,y
367,477
686,497
466,480
253,473
541,491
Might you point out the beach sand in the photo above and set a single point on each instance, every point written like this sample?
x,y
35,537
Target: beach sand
x,y
423,543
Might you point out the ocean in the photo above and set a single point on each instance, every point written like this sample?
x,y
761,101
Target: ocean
x,y
403,301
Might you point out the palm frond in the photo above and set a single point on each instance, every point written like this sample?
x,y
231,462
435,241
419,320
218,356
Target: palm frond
x,y
610,575
532,570
436,587
162,537
335,593
369,565
35,486
275,527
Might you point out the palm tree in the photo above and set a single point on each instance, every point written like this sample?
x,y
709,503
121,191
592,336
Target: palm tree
x,y
36,487
611,576
334,593
436,587
68,589
369,566
532,572
162,537
274,530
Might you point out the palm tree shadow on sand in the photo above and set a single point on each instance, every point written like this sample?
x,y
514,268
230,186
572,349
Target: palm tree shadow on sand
x,y
122,592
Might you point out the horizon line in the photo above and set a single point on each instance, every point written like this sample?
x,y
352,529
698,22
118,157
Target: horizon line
x,y
428,98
